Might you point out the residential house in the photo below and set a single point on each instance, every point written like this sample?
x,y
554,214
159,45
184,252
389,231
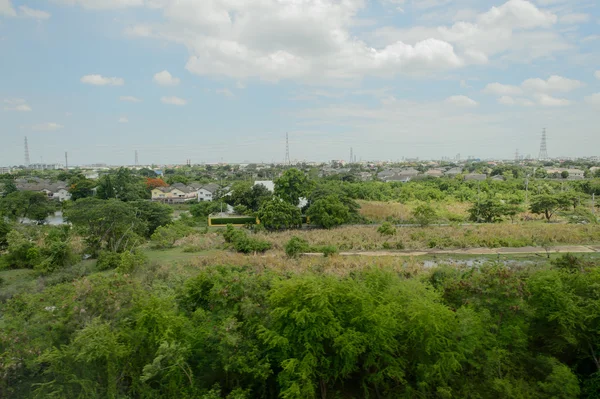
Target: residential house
x,y
475,176
5,170
54,191
434,173
453,172
269,184
207,192
177,193
576,174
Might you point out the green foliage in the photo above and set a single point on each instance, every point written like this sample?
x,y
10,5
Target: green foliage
x,y
81,188
328,212
242,242
165,236
387,229
5,228
277,214
548,204
203,209
492,210
424,215
123,185
564,174
124,262
26,204
292,186
107,224
245,194
296,246
22,253
7,186
154,214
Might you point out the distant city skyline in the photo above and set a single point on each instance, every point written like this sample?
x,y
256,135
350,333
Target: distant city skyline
x,y
221,80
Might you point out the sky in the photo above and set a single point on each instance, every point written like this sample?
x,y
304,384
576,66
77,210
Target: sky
x,y
225,80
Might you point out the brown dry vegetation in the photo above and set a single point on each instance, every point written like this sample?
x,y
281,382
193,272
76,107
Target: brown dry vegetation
x,y
366,238
395,211
337,265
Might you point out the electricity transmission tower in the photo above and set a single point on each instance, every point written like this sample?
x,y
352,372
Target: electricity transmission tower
x,y
136,158
287,150
543,147
27,161
66,161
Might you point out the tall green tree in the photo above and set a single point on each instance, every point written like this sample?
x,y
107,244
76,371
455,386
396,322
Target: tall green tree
x,y
27,204
81,188
107,224
547,205
292,186
277,214
328,212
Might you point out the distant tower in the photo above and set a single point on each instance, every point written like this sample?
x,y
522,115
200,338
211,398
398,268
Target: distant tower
x,y
27,161
543,147
287,150
136,158
66,161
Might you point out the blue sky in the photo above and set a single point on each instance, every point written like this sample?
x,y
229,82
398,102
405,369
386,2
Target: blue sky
x,y
224,80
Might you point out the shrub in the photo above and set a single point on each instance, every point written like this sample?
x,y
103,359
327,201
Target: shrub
x,y
328,250
108,260
387,229
226,221
129,261
22,252
424,215
240,241
166,236
296,246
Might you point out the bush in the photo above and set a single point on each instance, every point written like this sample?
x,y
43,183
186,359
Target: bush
x,y
424,215
327,250
296,246
108,260
22,252
387,229
240,241
166,236
129,261
124,262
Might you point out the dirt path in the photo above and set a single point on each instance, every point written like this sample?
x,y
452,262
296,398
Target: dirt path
x,y
476,251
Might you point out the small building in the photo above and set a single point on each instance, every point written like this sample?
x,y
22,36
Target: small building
x,y
475,176
177,193
54,191
207,192
5,170
434,173
453,172
269,184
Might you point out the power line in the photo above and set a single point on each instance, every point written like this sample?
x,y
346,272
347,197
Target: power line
x,y
543,147
287,150
27,161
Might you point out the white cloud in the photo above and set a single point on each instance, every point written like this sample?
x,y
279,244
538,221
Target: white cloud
x,y
49,126
576,18
106,4
507,100
16,104
27,12
99,80
164,78
7,9
173,100
549,101
225,92
597,74
123,119
130,99
502,90
461,101
554,83
594,99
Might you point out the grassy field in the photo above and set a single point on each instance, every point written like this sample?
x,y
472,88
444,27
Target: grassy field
x,y
366,238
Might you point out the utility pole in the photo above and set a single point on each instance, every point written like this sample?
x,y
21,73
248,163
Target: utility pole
x,y
66,161
287,150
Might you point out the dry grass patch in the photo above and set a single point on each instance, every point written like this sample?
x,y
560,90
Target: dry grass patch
x,y
366,238
402,213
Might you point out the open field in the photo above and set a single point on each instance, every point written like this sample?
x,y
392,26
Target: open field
x,y
366,238
402,213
